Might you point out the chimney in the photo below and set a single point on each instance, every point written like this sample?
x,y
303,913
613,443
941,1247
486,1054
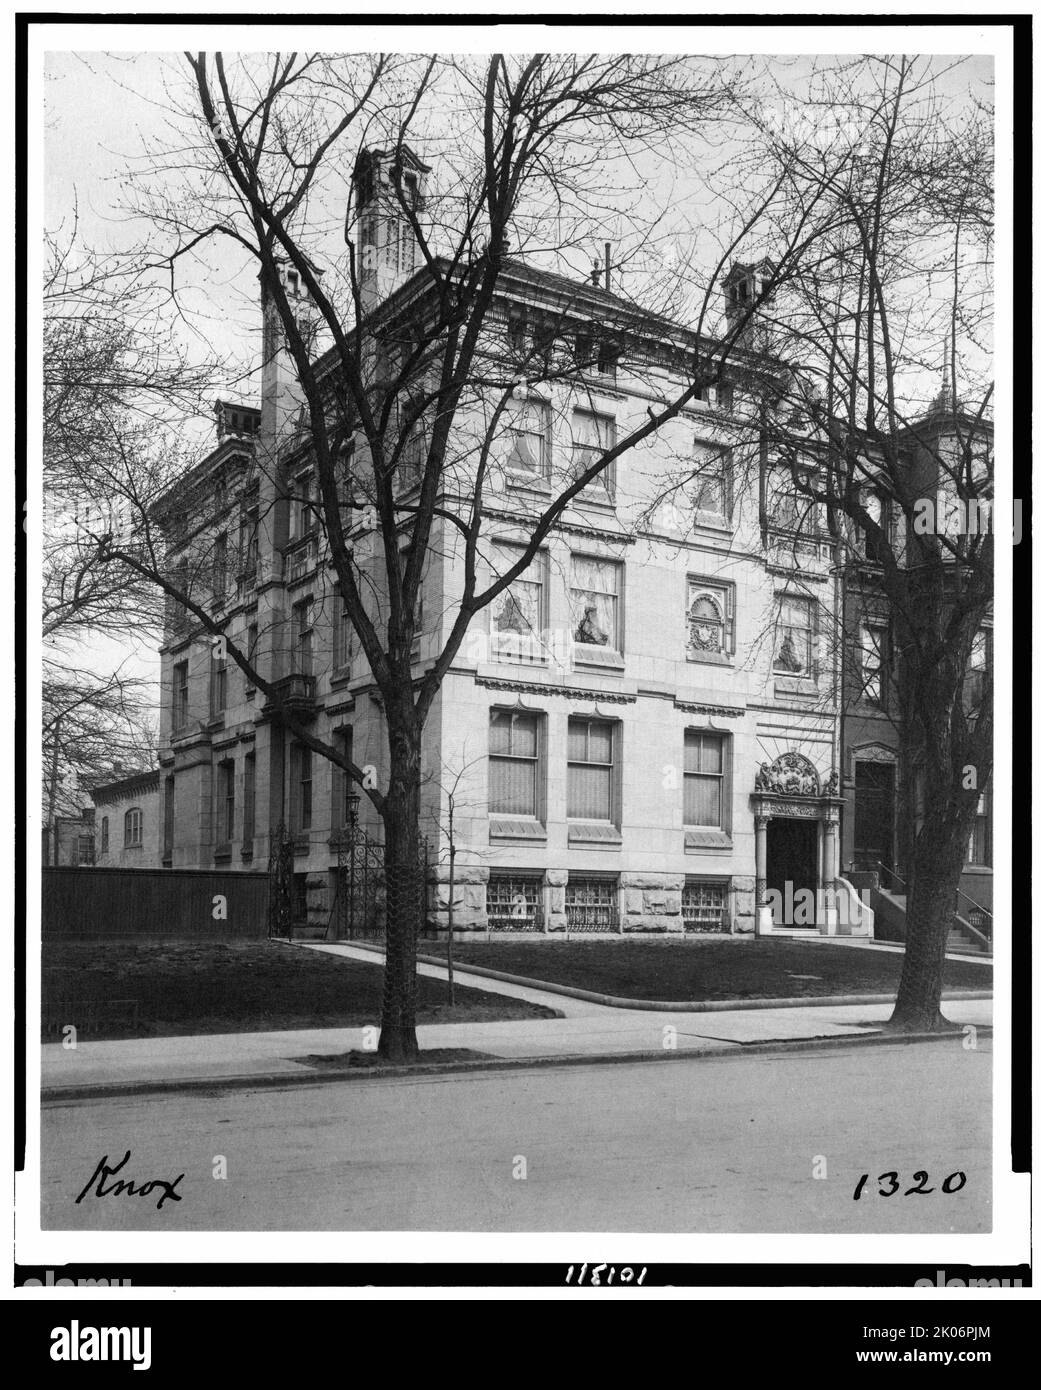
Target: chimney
x,y
387,254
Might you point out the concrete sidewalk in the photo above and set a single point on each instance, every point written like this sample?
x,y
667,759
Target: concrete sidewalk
x,y
586,1032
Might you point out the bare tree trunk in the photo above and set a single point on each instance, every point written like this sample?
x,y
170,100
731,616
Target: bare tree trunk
x,y
931,907
405,889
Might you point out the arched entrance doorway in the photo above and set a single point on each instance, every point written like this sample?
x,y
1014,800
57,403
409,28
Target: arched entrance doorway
x,y
796,846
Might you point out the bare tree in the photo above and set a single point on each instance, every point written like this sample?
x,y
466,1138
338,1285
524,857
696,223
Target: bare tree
x,y
410,407
896,474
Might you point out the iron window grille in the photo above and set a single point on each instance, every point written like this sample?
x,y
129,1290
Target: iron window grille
x,y
706,906
591,905
515,903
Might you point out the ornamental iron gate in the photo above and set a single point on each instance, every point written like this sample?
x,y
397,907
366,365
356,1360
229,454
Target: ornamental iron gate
x,y
361,889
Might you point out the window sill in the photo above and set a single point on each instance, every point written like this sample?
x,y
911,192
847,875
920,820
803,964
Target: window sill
x,y
515,828
528,482
599,656
167,861
711,658
700,840
222,854
340,676
793,685
596,834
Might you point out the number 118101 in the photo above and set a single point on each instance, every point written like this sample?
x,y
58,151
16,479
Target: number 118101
x,y
889,1184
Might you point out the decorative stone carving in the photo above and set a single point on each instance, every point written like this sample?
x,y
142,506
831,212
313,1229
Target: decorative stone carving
x,y
831,786
791,774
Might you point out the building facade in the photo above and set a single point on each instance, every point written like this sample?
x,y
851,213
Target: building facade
x,y
643,734
128,823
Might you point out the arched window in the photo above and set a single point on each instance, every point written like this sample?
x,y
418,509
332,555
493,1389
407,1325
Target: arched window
x,y
104,834
132,827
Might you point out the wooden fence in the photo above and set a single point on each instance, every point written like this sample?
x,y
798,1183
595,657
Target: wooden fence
x,y
153,904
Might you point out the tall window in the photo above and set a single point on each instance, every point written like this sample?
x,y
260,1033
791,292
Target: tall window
x,y
303,638
517,614
301,508
220,565
514,741
593,434
180,696
707,489
979,841
133,827
225,808
975,678
301,762
168,818
878,511
249,797
252,640
793,645
591,769
595,592
104,834
218,682
342,785
249,541
872,662
704,779
84,849
527,438
343,636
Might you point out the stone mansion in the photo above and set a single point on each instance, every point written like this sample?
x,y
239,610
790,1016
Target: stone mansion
x,y
645,734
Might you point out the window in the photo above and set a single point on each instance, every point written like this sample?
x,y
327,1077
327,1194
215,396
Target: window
x,y
515,903
343,637
593,435
220,566
514,746
302,517
708,488
218,680
705,905
249,798
979,841
527,439
793,649
303,638
709,621
872,662
595,590
224,811
252,639
590,770
517,617
342,785
591,904
413,457
84,849
704,779
104,834
168,818
877,510
301,762
249,542
180,696
133,825
974,684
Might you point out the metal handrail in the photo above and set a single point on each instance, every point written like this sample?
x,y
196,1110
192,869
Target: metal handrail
x,y
882,868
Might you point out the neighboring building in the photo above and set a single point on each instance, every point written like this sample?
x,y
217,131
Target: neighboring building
x,y
643,734
882,797
69,841
128,823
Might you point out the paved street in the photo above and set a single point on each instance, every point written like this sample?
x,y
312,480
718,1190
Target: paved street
x,y
713,1144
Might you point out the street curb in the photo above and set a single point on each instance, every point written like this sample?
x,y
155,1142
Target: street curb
x,y
275,1080
705,1006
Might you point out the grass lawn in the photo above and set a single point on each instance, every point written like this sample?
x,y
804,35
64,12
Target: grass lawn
x,y
231,987
724,968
